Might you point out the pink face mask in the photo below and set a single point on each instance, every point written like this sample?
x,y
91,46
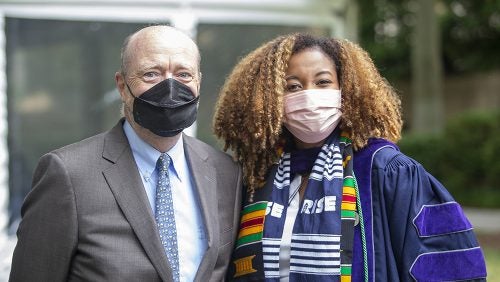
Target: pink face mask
x,y
311,115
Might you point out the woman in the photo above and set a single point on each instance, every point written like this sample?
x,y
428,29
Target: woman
x,y
329,197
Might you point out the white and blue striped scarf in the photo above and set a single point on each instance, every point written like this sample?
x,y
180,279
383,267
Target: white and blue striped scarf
x,y
315,245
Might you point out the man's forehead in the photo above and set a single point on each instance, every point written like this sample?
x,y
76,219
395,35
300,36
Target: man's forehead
x,y
177,59
162,40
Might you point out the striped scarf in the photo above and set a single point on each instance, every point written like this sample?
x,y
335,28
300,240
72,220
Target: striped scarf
x,y
323,226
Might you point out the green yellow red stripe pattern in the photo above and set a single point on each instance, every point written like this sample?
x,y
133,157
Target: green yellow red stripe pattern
x,y
348,205
348,198
345,273
252,223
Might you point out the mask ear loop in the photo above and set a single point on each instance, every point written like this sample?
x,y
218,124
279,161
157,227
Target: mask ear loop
x,y
130,91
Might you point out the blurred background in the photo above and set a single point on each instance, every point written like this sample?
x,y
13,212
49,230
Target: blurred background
x,y
58,59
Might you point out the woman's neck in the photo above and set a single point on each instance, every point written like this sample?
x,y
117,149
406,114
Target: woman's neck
x,y
302,145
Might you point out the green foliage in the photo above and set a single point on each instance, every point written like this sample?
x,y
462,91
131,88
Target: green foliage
x,y
470,30
385,32
470,34
465,158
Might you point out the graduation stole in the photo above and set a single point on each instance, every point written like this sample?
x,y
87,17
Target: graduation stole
x,y
324,224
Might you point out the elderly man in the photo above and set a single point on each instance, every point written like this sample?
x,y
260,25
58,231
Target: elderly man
x,y
141,202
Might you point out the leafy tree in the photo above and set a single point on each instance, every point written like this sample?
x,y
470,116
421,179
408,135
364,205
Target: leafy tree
x,y
470,34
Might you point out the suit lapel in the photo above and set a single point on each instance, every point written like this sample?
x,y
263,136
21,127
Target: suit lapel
x,y
204,175
124,181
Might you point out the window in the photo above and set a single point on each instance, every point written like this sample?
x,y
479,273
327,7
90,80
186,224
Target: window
x,y
61,89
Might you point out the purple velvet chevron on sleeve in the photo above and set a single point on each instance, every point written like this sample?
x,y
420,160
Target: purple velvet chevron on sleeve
x,y
441,219
450,265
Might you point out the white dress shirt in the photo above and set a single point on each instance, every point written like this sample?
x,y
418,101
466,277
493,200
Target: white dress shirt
x,y
191,239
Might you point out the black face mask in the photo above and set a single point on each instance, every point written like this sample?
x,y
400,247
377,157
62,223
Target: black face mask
x,y
166,108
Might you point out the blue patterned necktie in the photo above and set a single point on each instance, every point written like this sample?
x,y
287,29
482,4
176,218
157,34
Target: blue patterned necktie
x,y
165,218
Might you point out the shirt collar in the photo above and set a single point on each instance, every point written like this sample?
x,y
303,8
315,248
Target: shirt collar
x,y
146,155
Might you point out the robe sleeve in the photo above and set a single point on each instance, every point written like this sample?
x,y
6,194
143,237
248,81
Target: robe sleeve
x,y
420,232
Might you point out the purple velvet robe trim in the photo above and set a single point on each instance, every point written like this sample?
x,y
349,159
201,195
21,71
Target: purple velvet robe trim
x,y
451,266
362,168
440,219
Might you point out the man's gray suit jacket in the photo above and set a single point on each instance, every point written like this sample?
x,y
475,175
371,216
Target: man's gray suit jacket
x,y
87,217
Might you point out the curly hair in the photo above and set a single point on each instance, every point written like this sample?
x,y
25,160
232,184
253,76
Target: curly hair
x,y
249,111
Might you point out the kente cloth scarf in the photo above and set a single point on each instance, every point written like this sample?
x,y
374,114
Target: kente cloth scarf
x,y
316,236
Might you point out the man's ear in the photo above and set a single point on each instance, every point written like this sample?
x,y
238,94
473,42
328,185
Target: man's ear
x,y
120,84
